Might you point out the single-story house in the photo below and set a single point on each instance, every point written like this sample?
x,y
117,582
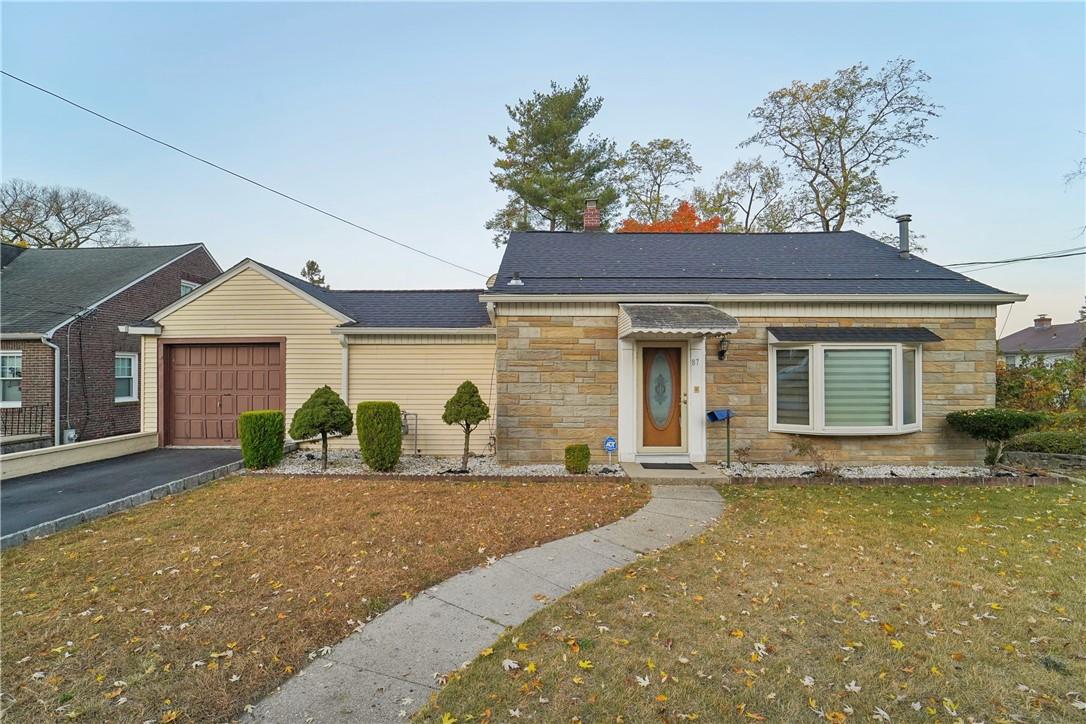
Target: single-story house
x,y
856,346
68,373
1044,340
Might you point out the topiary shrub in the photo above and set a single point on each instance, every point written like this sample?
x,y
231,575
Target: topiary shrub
x,y
261,433
380,437
1058,442
324,413
995,426
466,409
577,459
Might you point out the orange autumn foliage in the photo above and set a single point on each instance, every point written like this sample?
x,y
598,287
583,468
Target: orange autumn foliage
x,y
684,219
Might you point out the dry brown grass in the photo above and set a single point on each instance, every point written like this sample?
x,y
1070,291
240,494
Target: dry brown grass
x,y
911,603
189,608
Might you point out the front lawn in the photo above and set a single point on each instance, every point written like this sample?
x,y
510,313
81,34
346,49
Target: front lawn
x,y
189,608
905,603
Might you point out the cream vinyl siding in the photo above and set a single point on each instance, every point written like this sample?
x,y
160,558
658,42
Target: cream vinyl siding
x,y
420,378
251,305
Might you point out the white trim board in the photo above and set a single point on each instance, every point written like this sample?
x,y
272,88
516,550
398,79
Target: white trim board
x,y
1005,298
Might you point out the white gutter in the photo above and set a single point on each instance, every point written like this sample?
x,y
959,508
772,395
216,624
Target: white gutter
x,y
56,390
1006,298
372,331
20,335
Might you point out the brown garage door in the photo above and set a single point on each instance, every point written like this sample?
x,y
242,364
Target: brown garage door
x,y
211,384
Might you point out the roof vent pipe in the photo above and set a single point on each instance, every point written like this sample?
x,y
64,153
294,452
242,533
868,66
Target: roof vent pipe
x,y
516,281
903,234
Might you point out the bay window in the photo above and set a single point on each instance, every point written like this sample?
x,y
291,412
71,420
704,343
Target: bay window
x,y
845,389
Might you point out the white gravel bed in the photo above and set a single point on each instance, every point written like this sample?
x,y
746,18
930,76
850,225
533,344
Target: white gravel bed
x,y
349,462
798,470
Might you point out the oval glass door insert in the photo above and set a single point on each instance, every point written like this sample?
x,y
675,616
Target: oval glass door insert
x,y
661,392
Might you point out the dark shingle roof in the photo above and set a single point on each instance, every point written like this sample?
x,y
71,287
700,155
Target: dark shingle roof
x,y
854,334
843,262
1056,338
41,288
433,308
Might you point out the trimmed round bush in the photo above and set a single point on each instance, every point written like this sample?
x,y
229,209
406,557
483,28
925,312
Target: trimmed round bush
x,y
380,438
995,426
323,414
261,433
577,459
1057,442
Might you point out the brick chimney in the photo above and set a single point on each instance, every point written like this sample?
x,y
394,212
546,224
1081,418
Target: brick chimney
x,y
592,220
1043,321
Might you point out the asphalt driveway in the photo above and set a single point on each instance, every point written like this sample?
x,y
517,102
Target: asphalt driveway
x,y
38,498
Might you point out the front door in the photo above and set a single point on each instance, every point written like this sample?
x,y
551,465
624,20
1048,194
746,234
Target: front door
x,y
662,392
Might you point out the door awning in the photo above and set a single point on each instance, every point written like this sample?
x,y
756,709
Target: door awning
x,y
853,334
673,320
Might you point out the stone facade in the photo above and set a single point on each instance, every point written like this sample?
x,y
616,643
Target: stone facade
x,y
958,373
557,384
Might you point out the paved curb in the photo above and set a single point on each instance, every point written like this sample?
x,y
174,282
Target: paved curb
x,y
386,670
85,516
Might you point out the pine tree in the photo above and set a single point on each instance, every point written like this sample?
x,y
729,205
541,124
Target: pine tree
x,y
548,166
312,273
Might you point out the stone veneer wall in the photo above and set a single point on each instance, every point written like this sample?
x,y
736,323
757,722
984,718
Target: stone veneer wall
x,y
958,373
557,384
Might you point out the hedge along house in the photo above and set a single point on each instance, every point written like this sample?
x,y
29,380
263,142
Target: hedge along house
x,y
257,338
859,347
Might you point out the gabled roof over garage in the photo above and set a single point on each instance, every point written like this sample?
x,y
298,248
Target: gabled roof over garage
x,y
360,310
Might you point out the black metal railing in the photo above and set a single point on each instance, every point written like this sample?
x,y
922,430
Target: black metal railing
x,y
25,420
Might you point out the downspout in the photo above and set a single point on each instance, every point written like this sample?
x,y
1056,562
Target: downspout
x,y
343,379
56,390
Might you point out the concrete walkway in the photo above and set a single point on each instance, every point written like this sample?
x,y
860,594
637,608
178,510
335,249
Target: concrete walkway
x,y
387,670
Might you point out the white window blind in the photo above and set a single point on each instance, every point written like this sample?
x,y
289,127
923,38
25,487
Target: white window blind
x,y
858,387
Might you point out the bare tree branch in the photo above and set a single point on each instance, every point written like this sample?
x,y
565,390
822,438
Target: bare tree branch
x,y
62,218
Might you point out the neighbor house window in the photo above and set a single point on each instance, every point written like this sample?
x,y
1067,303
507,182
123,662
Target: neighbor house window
x,y
125,388
11,379
845,389
188,287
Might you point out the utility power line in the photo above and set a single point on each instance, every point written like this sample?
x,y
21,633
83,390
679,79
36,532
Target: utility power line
x,y
242,177
1058,254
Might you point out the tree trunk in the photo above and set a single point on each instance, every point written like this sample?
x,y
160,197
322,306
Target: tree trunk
x,y
324,451
467,447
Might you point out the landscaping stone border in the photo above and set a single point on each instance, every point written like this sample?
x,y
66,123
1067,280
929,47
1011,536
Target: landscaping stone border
x,y
85,516
989,481
455,477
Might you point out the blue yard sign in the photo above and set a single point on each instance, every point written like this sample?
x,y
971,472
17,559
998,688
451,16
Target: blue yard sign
x,y
610,444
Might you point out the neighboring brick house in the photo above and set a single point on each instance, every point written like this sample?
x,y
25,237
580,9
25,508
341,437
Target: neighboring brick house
x,y
60,314
828,338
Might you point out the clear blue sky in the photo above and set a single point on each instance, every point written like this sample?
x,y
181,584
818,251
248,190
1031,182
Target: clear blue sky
x,y
381,113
